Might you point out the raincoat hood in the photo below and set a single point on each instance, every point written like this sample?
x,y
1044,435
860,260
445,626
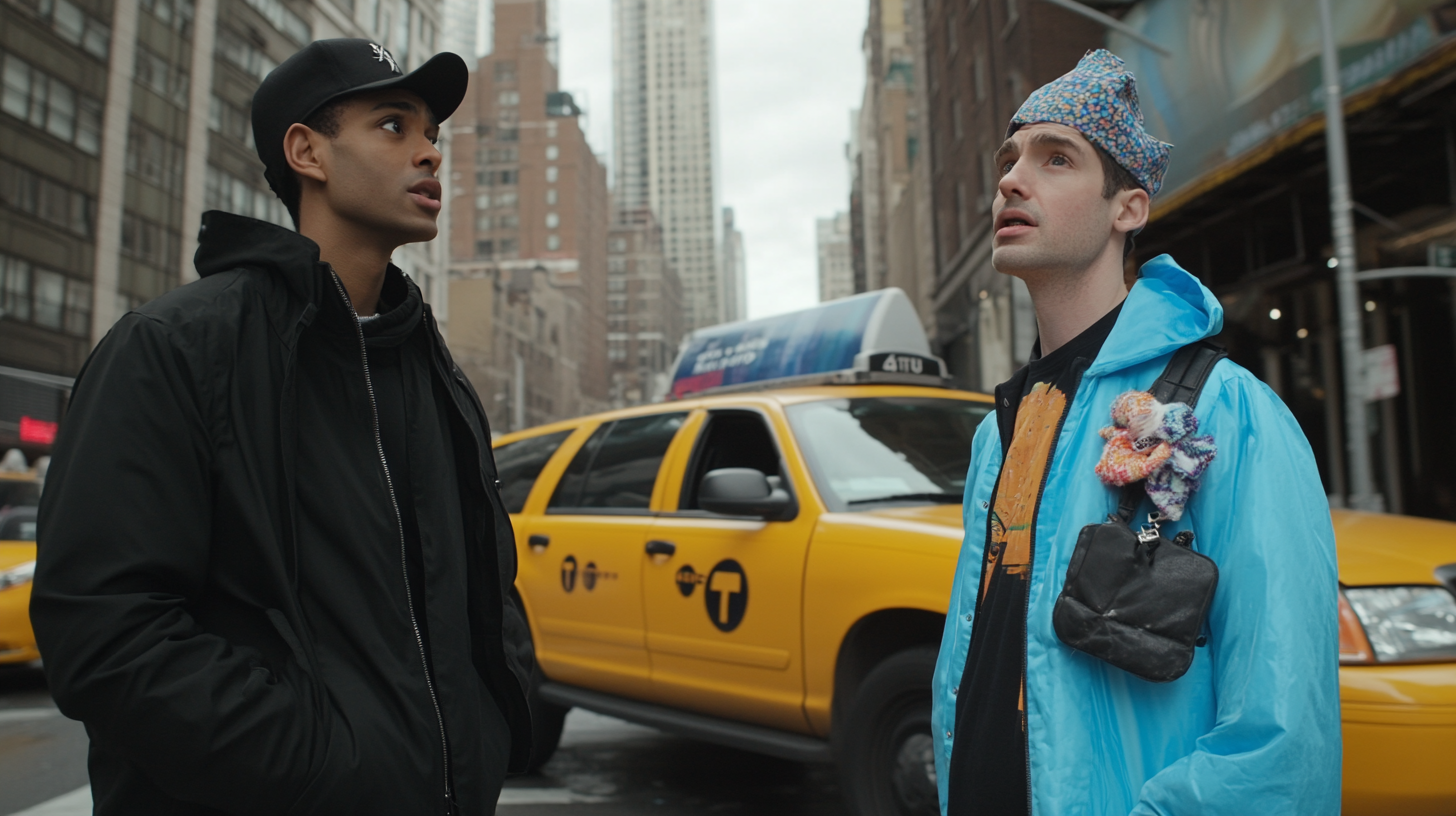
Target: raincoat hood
x,y
1256,719
1166,310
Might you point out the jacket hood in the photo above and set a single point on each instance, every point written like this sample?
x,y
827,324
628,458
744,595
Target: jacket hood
x,y
226,242
1166,310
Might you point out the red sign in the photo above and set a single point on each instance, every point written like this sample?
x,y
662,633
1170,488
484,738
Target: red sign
x,y
38,431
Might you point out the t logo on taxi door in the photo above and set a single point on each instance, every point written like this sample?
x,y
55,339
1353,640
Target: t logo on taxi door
x,y
726,595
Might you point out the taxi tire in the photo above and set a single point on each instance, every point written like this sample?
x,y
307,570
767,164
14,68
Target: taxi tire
x,y
887,739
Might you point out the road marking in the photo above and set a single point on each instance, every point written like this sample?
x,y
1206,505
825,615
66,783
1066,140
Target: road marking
x,y
9,715
547,796
75,803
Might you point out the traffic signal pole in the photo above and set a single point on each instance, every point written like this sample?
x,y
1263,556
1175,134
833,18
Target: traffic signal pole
x,y
1361,494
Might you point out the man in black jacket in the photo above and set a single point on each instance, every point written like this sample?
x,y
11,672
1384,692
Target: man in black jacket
x,y
275,571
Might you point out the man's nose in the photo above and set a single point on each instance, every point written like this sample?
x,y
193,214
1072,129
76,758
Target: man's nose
x,y
1013,184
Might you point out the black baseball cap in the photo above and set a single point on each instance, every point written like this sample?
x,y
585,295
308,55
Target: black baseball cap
x,y
325,70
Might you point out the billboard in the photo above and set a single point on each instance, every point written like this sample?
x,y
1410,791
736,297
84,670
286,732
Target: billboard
x,y
1244,71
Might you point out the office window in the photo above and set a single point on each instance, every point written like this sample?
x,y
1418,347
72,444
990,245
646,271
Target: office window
x,y
167,80
49,104
505,71
174,14
552,220
14,288
72,24
552,152
154,158
50,298
236,50
553,242
482,201
485,249
509,98
551,174
550,195
404,19
50,201
230,120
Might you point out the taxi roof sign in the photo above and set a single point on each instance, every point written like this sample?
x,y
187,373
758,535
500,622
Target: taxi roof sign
x,y
872,337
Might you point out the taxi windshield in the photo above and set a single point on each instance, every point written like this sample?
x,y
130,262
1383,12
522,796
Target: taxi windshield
x,y
884,450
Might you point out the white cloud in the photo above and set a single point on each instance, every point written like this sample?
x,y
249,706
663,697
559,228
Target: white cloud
x,y
788,73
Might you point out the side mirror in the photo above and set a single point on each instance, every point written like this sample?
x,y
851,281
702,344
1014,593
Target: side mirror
x,y
744,492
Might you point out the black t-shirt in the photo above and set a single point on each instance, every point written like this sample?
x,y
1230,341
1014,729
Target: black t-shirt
x,y
988,769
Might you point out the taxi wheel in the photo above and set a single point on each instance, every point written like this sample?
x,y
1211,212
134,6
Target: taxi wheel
x,y
887,760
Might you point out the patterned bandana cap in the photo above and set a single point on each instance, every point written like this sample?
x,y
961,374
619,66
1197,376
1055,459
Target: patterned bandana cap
x,y
1099,99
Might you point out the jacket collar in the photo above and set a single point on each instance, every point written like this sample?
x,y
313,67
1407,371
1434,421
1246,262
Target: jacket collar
x,y
1166,310
228,241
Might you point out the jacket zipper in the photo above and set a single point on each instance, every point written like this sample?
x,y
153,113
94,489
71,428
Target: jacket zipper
x,y
1082,364
403,555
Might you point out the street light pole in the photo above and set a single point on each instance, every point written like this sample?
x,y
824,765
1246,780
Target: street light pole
x,y
1342,223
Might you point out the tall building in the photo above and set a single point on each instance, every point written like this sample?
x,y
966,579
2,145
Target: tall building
x,y
644,309
529,237
121,121
836,261
892,176
665,117
733,271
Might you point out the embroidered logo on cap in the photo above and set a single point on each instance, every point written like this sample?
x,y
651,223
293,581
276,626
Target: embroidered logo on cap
x,y
384,56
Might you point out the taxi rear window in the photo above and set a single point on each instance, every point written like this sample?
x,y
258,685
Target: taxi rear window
x,y
617,467
519,463
884,450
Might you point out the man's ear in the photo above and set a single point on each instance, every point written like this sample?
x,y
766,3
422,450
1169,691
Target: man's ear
x,y
1132,210
302,146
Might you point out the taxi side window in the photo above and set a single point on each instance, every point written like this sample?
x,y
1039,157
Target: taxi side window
x,y
617,467
519,463
732,439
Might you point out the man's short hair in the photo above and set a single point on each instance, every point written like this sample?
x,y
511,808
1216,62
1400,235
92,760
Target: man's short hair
x,y
1115,179
326,120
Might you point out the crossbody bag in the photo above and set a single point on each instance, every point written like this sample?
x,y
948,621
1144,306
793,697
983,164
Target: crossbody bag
x,y
1132,597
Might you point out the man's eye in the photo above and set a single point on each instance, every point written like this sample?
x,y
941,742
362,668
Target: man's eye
x,y
1059,161
393,126
1006,168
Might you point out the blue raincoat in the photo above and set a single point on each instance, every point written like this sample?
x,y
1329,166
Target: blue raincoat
x,y
1254,726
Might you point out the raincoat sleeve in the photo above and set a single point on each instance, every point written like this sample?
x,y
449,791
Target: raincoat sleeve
x,y
1263,517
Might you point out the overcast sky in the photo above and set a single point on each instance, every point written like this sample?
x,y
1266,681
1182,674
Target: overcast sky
x,y
789,71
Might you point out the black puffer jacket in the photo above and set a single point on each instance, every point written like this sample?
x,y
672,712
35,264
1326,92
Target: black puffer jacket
x,y
167,594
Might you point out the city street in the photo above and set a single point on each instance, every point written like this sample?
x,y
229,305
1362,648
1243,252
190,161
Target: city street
x,y
605,767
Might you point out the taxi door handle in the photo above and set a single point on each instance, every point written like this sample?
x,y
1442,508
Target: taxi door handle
x,y
539,542
661,548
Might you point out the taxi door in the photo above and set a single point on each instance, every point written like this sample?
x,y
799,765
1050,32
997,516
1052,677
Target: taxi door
x,y
723,594
580,572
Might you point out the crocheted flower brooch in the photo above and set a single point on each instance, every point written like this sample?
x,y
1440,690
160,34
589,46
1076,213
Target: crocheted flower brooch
x,y
1157,442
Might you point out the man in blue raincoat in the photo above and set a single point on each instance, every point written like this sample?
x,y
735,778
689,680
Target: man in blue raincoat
x,y
1023,723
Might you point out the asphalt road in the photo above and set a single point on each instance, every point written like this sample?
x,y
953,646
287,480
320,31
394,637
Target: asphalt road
x,y
604,767
42,754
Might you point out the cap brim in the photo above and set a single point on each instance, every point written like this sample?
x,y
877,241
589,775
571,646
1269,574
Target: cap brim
x,y
441,82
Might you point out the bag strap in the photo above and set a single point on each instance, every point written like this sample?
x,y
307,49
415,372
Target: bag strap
x,y
1181,381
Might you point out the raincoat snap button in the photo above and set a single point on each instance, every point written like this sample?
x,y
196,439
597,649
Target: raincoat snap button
x,y
984,505
947,735
968,618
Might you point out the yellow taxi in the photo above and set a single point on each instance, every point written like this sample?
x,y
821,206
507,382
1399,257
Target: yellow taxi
x,y
767,564
19,494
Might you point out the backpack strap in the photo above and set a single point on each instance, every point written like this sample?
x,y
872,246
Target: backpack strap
x,y
1182,381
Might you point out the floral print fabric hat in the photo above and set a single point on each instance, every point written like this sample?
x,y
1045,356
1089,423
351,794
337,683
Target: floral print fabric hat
x,y
1099,99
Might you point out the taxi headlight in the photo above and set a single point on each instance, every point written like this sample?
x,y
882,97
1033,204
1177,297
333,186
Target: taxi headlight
x,y
17,575
1407,623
